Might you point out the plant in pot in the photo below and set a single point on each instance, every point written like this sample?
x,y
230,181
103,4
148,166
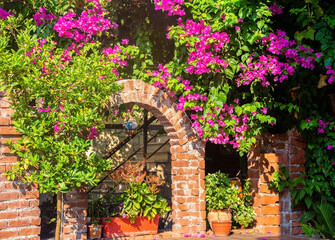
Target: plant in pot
x,y
141,207
221,196
94,211
243,212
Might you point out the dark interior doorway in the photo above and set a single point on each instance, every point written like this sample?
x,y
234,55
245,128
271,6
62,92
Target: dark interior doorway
x,y
226,160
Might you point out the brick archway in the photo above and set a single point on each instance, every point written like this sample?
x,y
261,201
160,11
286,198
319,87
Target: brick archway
x,y
187,154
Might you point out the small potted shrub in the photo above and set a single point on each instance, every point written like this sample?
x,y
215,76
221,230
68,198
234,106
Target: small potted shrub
x,y
221,196
141,205
94,229
244,213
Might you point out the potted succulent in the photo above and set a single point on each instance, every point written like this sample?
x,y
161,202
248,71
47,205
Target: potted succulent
x,y
221,196
141,205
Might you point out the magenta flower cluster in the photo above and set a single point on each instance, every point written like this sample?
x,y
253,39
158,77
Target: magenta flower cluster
x,y
41,16
275,9
279,44
89,23
4,14
173,7
202,54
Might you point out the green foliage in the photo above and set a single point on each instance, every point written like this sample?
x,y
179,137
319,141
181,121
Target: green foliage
x,y
140,201
109,204
221,194
323,218
48,93
244,213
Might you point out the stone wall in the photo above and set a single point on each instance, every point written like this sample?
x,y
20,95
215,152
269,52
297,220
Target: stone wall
x,y
19,212
274,212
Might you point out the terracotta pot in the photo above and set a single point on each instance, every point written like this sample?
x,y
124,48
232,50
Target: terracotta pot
x,y
219,215
94,231
221,228
122,227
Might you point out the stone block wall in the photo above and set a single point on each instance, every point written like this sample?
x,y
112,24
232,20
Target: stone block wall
x,y
273,209
19,212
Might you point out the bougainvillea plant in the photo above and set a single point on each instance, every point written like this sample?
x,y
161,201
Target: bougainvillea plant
x,y
225,63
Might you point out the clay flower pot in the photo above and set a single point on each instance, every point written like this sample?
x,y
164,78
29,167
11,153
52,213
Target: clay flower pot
x,y
221,228
122,227
220,221
94,231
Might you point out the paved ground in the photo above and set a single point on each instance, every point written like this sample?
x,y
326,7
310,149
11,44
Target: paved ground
x,y
236,235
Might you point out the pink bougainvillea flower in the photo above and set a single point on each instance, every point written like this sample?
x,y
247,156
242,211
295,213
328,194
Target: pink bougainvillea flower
x,y
237,28
124,41
329,147
275,9
332,163
56,128
4,14
264,110
41,16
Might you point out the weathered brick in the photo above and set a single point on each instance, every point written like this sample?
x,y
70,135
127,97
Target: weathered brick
x,y
269,220
269,199
8,131
30,213
270,229
297,230
8,215
3,224
8,159
19,222
18,204
5,196
4,121
270,210
30,231
6,234
29,194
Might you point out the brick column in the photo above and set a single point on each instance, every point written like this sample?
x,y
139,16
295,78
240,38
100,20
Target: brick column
x,y
266,202
19,212
296,166
274,212
75,215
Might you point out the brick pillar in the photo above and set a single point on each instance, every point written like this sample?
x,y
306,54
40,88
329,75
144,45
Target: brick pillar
x,y
296,166
75,215
274,212
19,212
266,202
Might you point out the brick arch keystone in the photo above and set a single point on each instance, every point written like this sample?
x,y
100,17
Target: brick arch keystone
x,y
187,154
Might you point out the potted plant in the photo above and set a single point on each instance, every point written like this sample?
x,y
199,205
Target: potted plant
x,y
243,213
94,229
221,196
141,205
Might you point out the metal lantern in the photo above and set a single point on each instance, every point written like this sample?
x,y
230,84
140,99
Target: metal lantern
x,y
130,127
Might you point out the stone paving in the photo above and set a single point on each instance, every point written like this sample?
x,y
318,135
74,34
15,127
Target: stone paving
x,y
235,235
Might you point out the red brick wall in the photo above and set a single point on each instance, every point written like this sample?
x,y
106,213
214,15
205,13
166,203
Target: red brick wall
x,y
274,212
19,212
187,161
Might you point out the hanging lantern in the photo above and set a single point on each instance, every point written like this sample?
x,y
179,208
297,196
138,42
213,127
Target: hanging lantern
x,y
130,127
